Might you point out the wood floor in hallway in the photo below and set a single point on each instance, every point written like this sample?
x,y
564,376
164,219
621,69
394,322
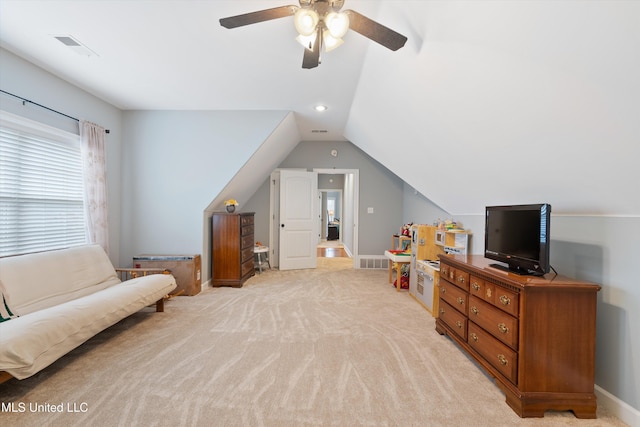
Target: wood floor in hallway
x,y
332,253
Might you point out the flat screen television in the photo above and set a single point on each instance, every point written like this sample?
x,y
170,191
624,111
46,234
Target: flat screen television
x,y
518,236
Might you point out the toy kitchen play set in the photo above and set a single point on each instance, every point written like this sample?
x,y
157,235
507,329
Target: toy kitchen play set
x,y
427,242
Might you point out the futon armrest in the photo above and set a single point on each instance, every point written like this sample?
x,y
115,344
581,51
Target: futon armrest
x,y
131,273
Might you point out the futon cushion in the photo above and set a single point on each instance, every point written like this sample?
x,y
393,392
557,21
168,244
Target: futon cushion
x,y
30,343
41,280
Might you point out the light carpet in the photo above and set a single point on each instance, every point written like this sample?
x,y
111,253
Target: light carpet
x,y
326,347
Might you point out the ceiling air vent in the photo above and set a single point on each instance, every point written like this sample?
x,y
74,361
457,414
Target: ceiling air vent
x,y
75,45
319,131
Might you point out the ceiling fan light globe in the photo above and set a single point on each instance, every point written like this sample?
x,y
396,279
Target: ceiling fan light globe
x,y
330,42
306,41
306,21
337,24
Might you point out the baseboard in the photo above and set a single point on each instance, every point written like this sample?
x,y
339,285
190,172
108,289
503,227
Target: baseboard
x,y
622,410
205,285
348,251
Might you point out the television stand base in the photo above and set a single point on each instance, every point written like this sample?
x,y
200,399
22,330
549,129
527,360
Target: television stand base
x,y
519,271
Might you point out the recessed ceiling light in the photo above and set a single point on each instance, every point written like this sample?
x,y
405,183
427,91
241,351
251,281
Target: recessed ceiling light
x,y
320,108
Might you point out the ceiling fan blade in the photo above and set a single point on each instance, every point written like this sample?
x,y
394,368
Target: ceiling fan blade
x,y
259,16
311,58
374,31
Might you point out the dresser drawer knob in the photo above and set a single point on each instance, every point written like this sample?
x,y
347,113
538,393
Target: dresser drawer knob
x,y
475,286
503,328
503,360
442,311
443,290
505,300
475,310
461,279
460,300
459,324
474,337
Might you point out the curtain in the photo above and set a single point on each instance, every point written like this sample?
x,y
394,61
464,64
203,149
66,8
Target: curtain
x,y
95,183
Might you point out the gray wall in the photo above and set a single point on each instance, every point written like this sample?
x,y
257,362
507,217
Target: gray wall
x,y
604,250
324,182
174,164
379,188
259,203
28,81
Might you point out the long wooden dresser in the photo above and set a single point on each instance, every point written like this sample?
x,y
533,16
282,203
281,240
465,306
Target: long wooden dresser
x,y
534,335
232,248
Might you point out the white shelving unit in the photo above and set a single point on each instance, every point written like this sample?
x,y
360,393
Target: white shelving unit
x,y
453,242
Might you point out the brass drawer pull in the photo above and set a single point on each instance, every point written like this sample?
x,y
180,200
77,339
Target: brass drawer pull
x,y
443,290
475,286
459,324
475,310
461,279
460,300
474,337
442,311
505,300
503,328
503,360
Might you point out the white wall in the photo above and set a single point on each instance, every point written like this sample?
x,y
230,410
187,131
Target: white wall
x,y
499,102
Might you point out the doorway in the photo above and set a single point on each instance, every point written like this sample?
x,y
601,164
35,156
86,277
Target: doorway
x,y
330,201
348,234
332,250
341,240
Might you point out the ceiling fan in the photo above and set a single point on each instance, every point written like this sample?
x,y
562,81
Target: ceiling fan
x,y
321,24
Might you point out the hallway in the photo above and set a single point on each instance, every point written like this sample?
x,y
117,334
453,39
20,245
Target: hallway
x,y
331,249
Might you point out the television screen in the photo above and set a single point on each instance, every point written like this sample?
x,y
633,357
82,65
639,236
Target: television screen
x,y
518,236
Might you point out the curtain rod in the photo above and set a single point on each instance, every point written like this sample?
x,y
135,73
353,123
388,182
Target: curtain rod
x,y
42,106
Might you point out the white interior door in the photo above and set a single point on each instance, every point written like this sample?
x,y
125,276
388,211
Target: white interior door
x,y
298,219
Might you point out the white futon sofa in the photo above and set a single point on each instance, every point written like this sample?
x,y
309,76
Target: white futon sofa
x,y
54,301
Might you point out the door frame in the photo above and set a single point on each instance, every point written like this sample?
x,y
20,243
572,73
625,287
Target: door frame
x,y
274,211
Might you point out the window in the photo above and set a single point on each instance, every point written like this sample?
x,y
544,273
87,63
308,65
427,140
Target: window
x,y
41,187
331,208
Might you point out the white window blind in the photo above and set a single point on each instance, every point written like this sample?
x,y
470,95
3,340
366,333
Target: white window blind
x,y
41,187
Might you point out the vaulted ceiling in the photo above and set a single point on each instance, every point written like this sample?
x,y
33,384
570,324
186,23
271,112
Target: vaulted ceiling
x,y
489,102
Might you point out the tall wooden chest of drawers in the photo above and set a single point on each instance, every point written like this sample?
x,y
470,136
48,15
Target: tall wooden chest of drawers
x,y
534,335
232,248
